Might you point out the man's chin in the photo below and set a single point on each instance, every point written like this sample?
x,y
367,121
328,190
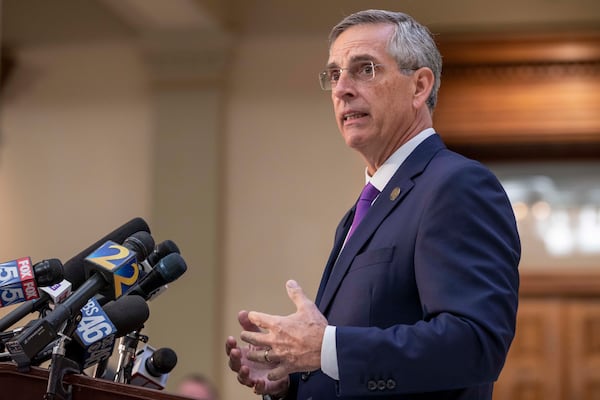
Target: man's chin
x,y
354,139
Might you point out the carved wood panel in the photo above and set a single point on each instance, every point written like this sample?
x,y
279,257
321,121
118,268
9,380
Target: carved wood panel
x,y
519,94
583,330
556,351
533,367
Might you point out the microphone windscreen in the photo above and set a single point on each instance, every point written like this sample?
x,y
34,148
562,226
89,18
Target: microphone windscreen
x,y
171,267
127,313
167,247
49,272
162,249
74,270
141,243
163,360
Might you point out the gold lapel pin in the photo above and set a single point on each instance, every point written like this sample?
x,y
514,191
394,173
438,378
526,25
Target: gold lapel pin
x,y
395,193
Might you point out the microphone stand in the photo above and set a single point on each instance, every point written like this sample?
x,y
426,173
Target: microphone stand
x,y
62,365
100,369
4,337
127,349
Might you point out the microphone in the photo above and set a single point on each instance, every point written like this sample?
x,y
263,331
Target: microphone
x,y
168,269
125,314
142,243
152,367
74,271
95,333
161,250
62,365
95,336
57,292
48,272
19,280
111,268
119,235
117,265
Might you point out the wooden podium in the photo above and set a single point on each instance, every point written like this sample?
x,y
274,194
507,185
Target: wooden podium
x,y
32,385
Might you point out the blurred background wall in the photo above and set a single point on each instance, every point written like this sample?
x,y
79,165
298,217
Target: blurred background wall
x,y
205,118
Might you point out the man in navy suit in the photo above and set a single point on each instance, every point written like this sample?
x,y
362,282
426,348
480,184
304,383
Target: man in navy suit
x,y
419,299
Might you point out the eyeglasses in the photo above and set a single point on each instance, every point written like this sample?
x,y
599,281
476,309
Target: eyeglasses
x,y
363,71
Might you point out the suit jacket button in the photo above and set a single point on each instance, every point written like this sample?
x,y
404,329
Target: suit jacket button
x,y
391,384
381,385
304,376
372,385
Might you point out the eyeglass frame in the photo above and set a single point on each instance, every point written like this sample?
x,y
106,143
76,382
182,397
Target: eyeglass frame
x,y
327,84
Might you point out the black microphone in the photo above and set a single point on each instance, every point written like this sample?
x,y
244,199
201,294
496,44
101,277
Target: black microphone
x,y
118,265
152,367
111,268
19,280
126,314
161,250
74,271
48,272
142,243
167,270
74,266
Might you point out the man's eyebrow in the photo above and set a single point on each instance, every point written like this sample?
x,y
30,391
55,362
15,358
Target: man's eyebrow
x,y
353,59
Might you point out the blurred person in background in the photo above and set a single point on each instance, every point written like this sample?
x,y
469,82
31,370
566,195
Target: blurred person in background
x,y
198,387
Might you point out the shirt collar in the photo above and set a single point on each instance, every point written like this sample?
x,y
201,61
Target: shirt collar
x,y
384,173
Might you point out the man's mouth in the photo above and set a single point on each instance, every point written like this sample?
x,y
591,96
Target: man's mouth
x,y
354,115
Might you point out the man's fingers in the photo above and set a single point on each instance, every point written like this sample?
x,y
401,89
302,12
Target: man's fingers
x,y
235,360
296,294
244,377
253,338
260,387
257,355
230,344
245,322
261,320
277,373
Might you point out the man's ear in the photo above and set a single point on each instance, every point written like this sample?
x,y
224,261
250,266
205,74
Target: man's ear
x,y
424,79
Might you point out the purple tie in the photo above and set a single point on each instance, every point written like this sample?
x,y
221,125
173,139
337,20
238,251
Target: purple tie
x,y
368,194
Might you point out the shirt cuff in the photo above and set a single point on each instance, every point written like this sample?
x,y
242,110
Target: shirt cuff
x,y
329,364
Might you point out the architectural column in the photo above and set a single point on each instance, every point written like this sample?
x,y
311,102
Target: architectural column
x,y
188,72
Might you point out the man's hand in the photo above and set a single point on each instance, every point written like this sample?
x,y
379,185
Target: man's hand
x,y
293,341
249,373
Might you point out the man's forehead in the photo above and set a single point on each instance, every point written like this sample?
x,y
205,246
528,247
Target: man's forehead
x,y
357,58
367,41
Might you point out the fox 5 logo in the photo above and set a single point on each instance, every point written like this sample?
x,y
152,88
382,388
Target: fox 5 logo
x,y
17,293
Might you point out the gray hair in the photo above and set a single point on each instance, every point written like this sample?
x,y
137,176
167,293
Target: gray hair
x,y
412,44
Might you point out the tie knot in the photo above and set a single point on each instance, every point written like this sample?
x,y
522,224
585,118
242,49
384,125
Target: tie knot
x,y
369,193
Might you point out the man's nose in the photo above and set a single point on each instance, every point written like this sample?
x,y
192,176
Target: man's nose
x,y
345,85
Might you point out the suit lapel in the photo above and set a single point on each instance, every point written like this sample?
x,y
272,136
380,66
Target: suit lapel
x,y
340,235
392,195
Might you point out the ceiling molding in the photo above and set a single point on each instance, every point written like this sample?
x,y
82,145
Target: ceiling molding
x,y
160,15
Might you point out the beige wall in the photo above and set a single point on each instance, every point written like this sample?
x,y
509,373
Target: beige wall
x,y
289,179
73,148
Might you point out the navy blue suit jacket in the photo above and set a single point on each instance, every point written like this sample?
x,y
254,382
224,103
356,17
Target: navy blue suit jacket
x,y
424,294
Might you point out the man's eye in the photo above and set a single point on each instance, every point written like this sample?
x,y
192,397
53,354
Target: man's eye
x,y
366,69
334,75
